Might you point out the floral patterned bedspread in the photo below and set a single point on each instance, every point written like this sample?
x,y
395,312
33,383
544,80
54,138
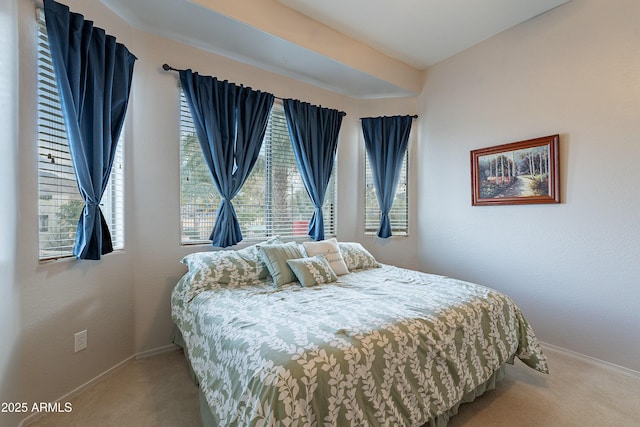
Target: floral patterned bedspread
x,y
385,346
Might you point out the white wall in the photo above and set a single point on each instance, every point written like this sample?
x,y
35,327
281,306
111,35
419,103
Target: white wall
x,y
574,267
123,300
9,299
60,298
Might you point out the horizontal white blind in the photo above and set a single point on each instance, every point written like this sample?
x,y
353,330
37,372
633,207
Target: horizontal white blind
x,y
199,198
273,200
288,207
60,203
399,214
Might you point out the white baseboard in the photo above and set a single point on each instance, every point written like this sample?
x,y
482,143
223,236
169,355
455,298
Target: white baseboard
x,y
156,351
78,390
591,360
101,377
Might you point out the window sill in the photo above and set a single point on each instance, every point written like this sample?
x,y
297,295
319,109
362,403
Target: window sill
x,y
71,257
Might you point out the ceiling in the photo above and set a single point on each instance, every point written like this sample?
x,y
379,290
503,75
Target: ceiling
x,y
419,33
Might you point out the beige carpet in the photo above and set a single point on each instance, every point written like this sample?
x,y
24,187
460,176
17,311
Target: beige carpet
x,y
158,391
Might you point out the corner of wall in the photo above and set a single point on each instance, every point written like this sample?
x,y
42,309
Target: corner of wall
x,y
10,388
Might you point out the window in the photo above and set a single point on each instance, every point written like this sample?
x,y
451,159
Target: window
x,y
399,214
44,223
60,203
273,200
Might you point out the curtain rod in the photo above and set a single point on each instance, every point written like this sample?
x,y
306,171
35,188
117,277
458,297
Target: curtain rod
x,y
168,67
415,116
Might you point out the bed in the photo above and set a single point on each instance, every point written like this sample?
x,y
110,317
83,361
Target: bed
x,y
380,345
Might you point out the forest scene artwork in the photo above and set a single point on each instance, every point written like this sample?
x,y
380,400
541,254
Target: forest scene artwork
x,y
522,172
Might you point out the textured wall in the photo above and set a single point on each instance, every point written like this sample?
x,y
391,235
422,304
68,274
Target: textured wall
x,y
573,267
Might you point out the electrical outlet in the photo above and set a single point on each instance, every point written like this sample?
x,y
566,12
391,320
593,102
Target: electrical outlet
x,y
80,340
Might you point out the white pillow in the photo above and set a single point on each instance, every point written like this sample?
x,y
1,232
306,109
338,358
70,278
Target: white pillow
x,y
329,248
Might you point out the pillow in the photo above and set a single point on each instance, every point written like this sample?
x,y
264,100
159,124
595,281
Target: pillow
x,y
225,266
356,257
312,271
208,269
275,257
329,248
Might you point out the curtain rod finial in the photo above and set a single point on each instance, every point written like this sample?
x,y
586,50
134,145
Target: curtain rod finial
x,y
166,67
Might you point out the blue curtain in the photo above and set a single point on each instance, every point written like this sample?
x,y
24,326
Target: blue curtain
x,y
93,74
230,122
314,136
386,140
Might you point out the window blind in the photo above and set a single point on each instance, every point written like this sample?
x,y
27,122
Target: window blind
x,y
199,198
60,203
273,200
399,214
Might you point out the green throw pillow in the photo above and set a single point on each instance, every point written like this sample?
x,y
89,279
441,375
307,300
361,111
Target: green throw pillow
x,y
276,257
312,271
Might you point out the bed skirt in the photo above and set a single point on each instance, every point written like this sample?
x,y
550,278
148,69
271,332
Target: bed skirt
x,y
179,341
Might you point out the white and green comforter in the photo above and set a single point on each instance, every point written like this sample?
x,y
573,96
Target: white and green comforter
x,y
385,346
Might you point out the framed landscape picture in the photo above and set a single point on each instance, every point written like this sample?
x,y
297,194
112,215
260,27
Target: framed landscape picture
x,y
522,172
